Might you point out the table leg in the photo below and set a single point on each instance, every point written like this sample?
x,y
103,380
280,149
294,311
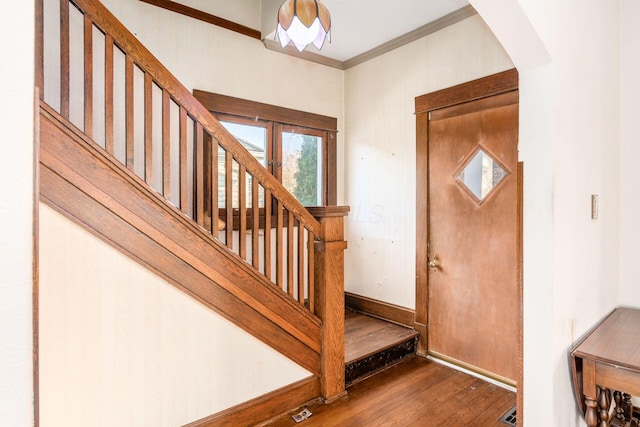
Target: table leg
x,y
591,416
628,406
604,402
590,392
617,397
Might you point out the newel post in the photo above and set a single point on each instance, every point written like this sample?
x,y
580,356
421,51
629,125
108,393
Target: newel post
x,y
329,296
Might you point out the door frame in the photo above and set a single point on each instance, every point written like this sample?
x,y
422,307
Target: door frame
x,y
495,84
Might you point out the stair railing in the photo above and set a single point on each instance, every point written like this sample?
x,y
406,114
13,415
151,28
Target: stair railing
x,y
100,78
123,98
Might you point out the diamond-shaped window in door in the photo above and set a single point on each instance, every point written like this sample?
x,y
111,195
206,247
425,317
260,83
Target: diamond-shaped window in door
x,y
481,174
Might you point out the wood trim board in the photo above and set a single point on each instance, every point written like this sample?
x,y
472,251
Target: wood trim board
x,y
485,87
265,407
205,17
35,291
520,379
383,310
225,104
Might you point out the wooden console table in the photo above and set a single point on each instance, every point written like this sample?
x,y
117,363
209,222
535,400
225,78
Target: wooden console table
x,y
606,367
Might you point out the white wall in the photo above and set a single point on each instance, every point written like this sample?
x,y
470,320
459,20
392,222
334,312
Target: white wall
x,y
16,207
568,57
380,151
120,346
569,138
629,153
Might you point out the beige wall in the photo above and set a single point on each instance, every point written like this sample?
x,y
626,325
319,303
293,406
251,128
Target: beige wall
x,y
380,151
16,207
121,347
570,143
243,12
629,153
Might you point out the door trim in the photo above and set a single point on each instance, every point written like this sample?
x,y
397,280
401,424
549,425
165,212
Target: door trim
x,y
495,84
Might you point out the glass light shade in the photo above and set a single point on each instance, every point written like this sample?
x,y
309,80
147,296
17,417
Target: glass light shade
x,y
303,22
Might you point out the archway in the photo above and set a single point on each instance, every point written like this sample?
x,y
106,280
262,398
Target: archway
x,y
512,27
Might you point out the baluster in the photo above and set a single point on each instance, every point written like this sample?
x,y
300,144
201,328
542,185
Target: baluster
x,y
199,180
166,144
108,94
301,274
255,226
129,113
267,233
617,397
88,76
628,406
182,140
311,271
290,252
279,244
65,67
591,416
242,196
213,188
228,176
148,128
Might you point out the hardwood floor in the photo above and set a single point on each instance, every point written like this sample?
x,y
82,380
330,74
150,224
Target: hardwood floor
x,y
416,392
366,335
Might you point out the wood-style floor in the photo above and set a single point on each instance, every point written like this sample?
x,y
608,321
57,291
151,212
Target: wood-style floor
x,y
416,392
366,335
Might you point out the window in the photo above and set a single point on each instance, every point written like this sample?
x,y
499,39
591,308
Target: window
x,y
298,148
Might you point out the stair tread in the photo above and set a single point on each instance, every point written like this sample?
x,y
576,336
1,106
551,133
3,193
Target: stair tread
x,y
366,335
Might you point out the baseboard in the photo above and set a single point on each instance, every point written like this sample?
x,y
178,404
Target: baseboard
x,y
384,310
266,407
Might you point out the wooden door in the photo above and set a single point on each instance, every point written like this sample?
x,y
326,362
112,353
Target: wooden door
x,y
472,267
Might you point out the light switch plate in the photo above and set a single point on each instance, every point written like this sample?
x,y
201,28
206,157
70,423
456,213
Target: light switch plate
x,y
594,206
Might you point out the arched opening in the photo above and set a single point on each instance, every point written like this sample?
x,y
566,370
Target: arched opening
x,y
512,27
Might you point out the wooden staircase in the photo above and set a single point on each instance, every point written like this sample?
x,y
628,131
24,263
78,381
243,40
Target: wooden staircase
x,y
150,171
373,344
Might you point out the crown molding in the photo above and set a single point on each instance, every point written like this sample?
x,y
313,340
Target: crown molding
x,y
430,28
274,45
420,32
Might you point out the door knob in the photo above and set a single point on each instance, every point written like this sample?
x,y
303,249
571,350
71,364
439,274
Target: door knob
x,y
435,262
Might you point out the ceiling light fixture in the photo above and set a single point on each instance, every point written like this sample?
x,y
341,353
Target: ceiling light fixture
x,y
303,22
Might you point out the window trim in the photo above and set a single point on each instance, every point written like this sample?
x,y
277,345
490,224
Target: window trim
x,y
229,108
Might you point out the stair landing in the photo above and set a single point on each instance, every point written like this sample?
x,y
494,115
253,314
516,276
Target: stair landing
x,y
373,344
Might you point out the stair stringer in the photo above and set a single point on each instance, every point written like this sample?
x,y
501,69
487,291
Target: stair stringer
x,y
83,183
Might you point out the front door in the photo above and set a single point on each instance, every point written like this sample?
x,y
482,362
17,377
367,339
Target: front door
x,y
472,267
